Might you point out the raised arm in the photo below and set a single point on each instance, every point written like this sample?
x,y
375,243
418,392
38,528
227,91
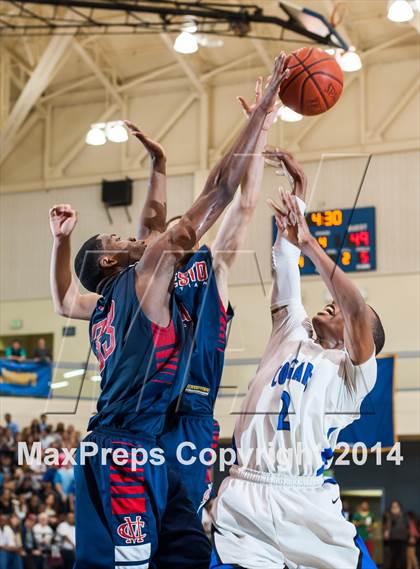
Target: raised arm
x,y
231,234
67,299
159,260
285,255
357,316
152,218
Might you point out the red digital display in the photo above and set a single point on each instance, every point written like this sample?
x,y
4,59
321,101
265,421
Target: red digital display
x,y
359,238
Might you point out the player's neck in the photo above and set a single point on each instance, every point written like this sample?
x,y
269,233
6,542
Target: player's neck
x,y
329,344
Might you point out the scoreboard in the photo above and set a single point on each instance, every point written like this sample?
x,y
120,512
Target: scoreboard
x,y
348,237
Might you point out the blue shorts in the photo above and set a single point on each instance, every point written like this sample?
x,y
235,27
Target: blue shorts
x,y
203,433
122,511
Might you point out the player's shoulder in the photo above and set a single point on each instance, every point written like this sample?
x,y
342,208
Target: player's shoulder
x,y
355,376
119,286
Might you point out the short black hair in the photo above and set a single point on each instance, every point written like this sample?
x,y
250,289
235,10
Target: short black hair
x,y
86,264
378,332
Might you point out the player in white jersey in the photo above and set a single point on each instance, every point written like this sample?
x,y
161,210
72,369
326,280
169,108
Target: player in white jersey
x,y
276,508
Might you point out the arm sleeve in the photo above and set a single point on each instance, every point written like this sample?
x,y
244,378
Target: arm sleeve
x,y
289,316
285,267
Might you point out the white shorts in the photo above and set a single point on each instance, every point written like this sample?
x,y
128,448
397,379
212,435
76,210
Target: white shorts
x,y
265,521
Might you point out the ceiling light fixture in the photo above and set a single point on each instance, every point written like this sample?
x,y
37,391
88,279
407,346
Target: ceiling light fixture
x,y
288,115
95,136
73,373
186,43
115,132
400,11
100,132
59,385
350,60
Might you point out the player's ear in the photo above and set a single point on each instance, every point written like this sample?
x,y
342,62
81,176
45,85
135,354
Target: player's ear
x,y
108,261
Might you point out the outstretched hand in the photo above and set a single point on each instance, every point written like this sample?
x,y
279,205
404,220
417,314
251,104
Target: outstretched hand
x,y
271,94
63,219
287,161
249,107
155,150
290,220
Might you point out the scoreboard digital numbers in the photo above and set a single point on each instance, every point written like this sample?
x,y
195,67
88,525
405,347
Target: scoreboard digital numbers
x,y
352,245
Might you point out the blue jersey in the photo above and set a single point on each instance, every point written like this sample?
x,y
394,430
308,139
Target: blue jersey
x,y
140,362
199,301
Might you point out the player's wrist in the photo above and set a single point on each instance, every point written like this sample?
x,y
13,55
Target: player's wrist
x,y
310,247
159,164
61,239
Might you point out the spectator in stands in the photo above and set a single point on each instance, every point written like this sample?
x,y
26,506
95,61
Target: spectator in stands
x,y
20,505
364,519
41,353
15,556
347,510
413,537
9,548
33,556
65,485
13,427
34,504
396,535
6,502
43,423
43,534
15,352
50,507
66,536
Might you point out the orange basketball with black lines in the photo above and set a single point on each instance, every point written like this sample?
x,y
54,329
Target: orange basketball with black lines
x,y
315,82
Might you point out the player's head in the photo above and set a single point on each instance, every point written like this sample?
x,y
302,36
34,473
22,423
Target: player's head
x,y
329,327
103,256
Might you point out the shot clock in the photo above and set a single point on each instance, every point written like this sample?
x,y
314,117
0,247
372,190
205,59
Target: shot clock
x,y
348,237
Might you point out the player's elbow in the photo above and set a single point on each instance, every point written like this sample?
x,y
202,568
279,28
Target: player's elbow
x,y
357,309
61,309
226,189
247,207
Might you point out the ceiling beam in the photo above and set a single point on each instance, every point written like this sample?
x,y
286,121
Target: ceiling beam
x,y
4,86
70,86
264,54
86,57
188,70
396,109
388,43
23,64
173,119
134,81
226,66
75,149
33,89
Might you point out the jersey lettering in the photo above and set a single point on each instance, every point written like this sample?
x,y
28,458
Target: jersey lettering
x,y
283,423
197,273
103,334
294,371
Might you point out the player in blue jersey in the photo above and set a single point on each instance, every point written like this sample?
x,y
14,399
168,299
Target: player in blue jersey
x,y
141,342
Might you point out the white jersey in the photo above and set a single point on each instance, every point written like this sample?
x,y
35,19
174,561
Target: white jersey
x,y
276,509
302,394
300,398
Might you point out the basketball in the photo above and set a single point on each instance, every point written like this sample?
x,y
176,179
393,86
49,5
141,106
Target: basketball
x,y
315,82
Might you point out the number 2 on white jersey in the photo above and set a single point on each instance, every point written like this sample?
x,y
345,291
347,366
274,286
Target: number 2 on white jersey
x,y
283,423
